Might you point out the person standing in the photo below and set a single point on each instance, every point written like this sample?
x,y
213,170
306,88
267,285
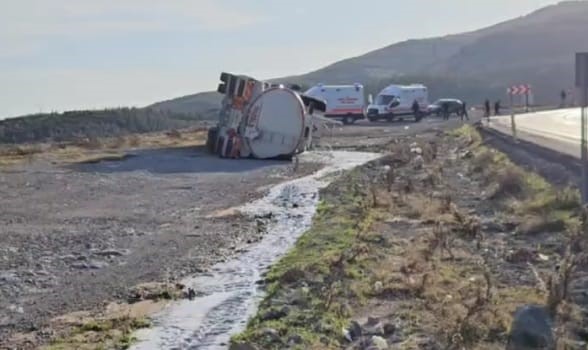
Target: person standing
x,y
487,109
497,108
563,96
416,110
445,111
464,111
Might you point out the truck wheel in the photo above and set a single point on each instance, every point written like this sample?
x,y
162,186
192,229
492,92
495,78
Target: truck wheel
x,y
372,119
347,120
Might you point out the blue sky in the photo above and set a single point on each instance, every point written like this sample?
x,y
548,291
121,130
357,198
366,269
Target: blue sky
x,y
57,55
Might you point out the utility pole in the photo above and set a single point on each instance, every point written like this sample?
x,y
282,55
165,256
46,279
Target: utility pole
x,y
582,85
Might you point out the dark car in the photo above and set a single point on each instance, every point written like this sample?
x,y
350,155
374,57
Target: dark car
x,y
455,106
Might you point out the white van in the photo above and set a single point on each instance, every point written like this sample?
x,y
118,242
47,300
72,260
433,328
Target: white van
x,y
397,101
344,102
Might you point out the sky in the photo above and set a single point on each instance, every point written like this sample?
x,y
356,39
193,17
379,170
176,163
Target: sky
x,y
58,55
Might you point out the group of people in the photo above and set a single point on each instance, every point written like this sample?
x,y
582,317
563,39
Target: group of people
x,y
487,108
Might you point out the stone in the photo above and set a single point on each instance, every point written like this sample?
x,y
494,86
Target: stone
x,y
295,339
275,314
373,327
272,335
97,265
354,330
378,287
379,343
389,329
110,253
531,328
418,162
242,346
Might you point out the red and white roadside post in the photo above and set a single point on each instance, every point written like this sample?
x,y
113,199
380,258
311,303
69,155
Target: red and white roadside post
x,y
517,90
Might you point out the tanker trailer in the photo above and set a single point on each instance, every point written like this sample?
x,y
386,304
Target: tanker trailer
x,y
261,121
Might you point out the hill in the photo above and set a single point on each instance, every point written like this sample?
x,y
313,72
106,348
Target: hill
x,y
74,125
537,48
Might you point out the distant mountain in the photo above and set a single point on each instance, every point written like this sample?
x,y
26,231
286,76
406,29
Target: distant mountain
x,y
537,49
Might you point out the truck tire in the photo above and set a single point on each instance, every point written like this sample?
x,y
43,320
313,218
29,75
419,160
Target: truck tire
x,y
347,120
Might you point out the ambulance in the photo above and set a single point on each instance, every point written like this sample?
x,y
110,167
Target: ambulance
x,y
345,103
396,101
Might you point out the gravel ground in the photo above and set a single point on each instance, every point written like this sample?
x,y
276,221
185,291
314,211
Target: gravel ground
x,y
74,238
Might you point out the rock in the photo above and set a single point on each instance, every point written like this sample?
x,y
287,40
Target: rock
x,y
110,253
389,329
297,297
354,330
491,226
272,335
378,287
191,294
97,265
531,329
418,162
242,346
347,335
521,255
467,155
80,266
379,343
373,327
295,339
275,314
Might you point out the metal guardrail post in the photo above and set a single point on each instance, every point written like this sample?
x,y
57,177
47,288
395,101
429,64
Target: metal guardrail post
x,y
513,125
584,154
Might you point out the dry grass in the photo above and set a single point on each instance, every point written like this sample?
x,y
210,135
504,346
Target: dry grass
x,y
95,149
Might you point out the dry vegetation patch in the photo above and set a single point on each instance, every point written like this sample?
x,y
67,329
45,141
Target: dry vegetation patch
x,y
401,256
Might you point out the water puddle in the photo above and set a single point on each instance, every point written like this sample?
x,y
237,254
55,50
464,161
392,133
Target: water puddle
x,y
228,294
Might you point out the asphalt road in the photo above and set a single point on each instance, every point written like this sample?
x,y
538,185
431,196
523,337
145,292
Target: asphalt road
x,y
558,130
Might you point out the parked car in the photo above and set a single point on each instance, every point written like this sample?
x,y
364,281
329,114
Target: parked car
x,y
455,106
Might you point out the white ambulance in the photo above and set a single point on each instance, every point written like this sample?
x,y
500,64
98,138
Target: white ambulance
x,y
344,102
396,101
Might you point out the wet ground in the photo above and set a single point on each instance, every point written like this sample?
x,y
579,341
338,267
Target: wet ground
x,y
228,293
73,238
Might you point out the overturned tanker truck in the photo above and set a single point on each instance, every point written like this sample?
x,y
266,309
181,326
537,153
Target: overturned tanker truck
x,y
264,121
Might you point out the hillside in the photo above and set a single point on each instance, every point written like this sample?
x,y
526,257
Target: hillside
x,y
537,49
74,125
205,104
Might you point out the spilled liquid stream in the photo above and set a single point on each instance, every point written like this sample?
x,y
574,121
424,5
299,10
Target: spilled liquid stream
x,y
228,294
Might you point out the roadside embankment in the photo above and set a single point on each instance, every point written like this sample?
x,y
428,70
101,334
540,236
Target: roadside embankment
x,y
435,246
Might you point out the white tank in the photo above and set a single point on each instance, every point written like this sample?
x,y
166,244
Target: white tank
x,y
275,123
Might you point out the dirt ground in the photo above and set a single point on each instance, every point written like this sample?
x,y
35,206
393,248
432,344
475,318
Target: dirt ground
x,y
434,246
77,236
